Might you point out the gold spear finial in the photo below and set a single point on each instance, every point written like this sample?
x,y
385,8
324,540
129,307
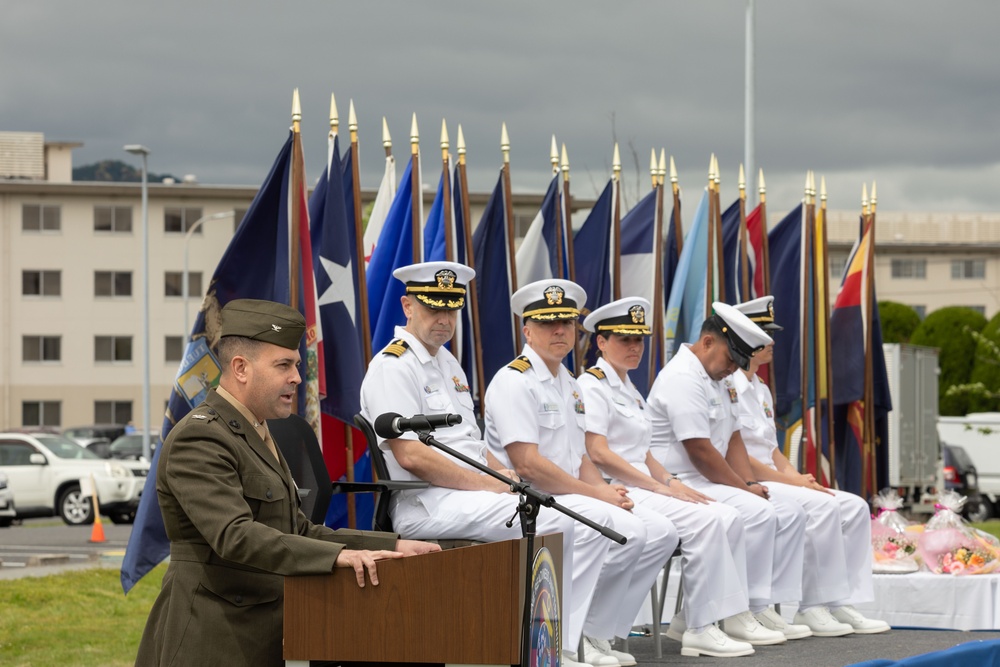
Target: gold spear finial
x,y
414,136
386,139
822,189
663,166
564,163
461,145
715,170
334,115
742,183
554,155
616,163
444,140
352,118
864,198
504,143
874,197
654,172
296,110
761,188
711,167
673,170
806,189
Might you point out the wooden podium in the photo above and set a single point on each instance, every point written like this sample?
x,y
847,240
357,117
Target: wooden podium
x,y
459,606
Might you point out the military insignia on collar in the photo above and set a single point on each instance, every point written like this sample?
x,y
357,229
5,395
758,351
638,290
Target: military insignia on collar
x,y
638,314
554,295
276,327
459,387
445,279
639,403
578,406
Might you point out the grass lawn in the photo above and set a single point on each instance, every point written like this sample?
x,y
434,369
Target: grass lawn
x,y
74,618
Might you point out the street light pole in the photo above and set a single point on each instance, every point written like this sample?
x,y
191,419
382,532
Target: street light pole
x,y
138,149
187,238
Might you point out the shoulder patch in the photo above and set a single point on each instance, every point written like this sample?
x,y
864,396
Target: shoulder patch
x,y
596,372
520,364
396,348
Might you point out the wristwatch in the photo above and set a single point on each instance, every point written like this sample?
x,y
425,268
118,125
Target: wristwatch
x,y
752,483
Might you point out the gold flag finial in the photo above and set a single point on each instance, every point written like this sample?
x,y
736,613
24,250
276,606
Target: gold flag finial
x,y
663,166
414,136
715,170
554,155
296,110
504,143
673,170
822,189
444,138
352,118
806,188
864,198
334,115
616,163
386,139
874,197
711,167
564,163
461,140
742,182
654,171
762,189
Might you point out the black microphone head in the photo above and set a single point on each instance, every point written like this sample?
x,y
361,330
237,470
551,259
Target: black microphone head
x,y
385,426
454,419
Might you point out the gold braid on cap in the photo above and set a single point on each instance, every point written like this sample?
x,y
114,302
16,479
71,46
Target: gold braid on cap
x,y
551,314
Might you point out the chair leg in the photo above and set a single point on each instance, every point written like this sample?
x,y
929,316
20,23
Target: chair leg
x,y
680,594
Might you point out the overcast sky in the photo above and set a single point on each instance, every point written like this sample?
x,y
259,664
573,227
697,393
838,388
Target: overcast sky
x,y
905,92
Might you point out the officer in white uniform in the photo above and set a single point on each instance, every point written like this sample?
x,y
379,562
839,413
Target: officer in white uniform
x,y
535,423
695,413
415,374
619,430
837,570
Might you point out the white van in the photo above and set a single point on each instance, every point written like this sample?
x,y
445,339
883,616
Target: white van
x,y
979,434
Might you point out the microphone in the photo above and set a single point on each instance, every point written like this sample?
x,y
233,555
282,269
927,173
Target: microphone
x,y
391,425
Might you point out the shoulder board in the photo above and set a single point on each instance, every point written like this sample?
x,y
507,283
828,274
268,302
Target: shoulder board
x,y
571,373
204,413
520,364
396,348
596,372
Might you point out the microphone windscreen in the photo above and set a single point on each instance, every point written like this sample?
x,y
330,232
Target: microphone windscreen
x,y
384,426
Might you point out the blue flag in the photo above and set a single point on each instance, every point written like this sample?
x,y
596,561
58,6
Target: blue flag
x,y
637,232
785,242
493,285
732,259
260,242
686,305
592,251
538,256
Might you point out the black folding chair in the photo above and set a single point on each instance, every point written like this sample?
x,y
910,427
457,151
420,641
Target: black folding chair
x,y
298,444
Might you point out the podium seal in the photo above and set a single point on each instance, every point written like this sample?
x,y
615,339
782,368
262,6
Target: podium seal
x,y
546,628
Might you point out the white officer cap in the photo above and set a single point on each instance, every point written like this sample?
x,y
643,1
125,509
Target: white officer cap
x,y
437,285
624,316
546,300
761,312
745,339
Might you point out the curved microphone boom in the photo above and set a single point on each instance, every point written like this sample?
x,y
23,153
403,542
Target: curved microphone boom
x,y
391,425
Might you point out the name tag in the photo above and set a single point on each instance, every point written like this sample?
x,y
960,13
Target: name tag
x,y
550,407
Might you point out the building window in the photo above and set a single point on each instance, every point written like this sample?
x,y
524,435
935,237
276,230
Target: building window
x,y
113,219
112,412
837,261
238,215
173,283
174,348
41,413
41,348
112,348
40,218
178,220
979,309
909,268
41,283
968,269
112,283
921,311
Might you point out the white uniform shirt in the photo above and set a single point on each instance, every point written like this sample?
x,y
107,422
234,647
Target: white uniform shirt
x,y
686,403
417,383
535,406
756,418
617,410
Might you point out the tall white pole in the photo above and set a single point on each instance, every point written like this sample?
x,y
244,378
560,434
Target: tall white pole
x,y
748,104
146,449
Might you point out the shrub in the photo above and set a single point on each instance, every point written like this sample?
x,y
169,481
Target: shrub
x,y
948,330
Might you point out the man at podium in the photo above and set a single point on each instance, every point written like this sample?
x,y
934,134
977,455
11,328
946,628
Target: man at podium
x,y
416,374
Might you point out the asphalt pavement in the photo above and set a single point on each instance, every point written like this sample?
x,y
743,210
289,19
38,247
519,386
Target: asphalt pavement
x,y
44,546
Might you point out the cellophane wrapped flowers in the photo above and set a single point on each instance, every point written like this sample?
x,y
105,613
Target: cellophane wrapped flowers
x,y
949,545
894,543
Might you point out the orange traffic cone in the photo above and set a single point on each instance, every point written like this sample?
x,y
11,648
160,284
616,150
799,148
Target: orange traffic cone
x,y
97,532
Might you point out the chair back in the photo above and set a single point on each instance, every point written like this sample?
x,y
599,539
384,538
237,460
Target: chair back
x,y
298,444
381,520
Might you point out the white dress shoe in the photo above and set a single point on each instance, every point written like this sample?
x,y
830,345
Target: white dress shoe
x,y
603,646
713,642
592,655
569,660
677,627
862,625
745,628
822,623
772,620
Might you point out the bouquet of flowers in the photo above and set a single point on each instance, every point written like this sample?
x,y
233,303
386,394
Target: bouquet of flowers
x,y
949,545
894,543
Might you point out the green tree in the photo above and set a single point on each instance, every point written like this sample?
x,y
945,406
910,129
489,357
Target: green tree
x,y
985,378
899,321
948,329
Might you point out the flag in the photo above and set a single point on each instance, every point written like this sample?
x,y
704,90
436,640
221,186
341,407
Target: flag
x,y
594,248
380,209
538,256
465,333
261,242
336,268
756,236
686,305
733,260
638,250
785,242
393,250
493,285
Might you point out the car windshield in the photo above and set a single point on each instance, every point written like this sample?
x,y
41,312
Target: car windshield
x,y
128,443
65,448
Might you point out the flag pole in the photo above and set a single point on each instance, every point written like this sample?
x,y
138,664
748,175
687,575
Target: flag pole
x,y
616,226
719,261
567,212
869,352
560,256
744,259
710,263
807,343
450,252
416,193
359,230
657,172
296,213
676,190
825,294
509,215
766,262
463,184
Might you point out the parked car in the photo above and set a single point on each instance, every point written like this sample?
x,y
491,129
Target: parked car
x,y
130,446
101,447
7,511
961,476
88,434
44,472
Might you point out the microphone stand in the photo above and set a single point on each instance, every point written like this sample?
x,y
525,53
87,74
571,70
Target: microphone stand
x,y
531,501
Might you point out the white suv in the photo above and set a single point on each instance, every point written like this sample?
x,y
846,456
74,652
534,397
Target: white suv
x,y
44,472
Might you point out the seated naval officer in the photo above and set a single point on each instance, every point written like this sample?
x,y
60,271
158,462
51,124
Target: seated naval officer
x,y
619,432
535,422
837,571
696,435
231,511
416,374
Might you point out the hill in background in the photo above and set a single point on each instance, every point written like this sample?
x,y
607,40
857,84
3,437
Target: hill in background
x,y
117,171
